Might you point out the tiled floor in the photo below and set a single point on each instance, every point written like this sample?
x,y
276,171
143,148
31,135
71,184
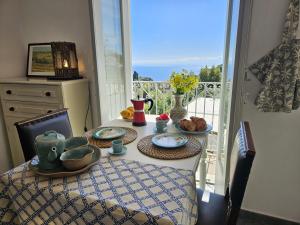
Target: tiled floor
x,y
247,218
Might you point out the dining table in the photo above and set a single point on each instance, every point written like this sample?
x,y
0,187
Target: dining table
x,y
134,154
126,189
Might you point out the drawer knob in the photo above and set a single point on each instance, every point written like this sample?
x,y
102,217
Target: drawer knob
x,y
8,92
48,93
11,109
49,111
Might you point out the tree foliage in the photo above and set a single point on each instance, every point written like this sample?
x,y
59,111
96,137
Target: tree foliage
x,y
136,76
212,74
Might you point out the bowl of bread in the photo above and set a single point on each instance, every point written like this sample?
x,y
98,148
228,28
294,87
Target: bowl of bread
x,y
195,125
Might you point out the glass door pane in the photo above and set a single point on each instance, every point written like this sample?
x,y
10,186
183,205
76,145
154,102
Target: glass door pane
x,y
112,37
228,88
110,57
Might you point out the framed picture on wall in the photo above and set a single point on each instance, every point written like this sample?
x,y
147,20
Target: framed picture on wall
x,y
40,60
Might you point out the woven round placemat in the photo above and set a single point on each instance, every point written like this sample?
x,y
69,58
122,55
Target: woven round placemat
x,y
129,137
192,148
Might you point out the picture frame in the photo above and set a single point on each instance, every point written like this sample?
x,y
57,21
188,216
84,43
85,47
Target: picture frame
x,y
40,61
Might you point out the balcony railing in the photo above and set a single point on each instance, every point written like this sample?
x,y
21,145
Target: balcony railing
x,y
204,101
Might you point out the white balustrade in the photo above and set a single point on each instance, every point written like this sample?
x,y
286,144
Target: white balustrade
x,y
204,101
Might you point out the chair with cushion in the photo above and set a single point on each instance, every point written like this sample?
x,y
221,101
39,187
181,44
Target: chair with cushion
x,y
224,210
28,129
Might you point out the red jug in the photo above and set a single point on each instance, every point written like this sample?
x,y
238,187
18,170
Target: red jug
x,y
139,114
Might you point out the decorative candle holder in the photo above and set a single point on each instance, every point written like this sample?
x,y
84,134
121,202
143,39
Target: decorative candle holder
x,y
65,59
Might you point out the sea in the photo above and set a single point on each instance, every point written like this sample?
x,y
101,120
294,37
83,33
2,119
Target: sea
x,y
162,73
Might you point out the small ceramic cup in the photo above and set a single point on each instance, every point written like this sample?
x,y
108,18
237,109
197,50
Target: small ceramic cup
x,y
161,125
117,145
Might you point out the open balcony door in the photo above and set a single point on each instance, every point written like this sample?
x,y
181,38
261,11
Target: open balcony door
x,y
234,74
111,28
111,23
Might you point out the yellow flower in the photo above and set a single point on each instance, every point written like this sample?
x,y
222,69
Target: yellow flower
x,y
183,82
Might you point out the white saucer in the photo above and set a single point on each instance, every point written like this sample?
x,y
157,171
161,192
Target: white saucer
x,y
111,151
164,130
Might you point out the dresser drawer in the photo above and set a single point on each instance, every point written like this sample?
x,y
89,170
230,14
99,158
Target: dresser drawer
x,y
27,109
32,93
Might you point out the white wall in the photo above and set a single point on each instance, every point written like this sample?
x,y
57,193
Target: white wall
x,y
11,62
23,22
274,185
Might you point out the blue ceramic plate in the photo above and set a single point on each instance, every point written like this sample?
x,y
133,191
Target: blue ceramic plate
x,y
108,133
208,129
111,151
169,140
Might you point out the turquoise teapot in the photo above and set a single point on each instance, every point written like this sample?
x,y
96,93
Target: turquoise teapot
x,y
49,146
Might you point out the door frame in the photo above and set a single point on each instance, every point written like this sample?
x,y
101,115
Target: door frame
x,y
126,34
237,88
99,55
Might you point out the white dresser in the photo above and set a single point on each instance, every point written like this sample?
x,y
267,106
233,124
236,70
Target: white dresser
x,y
22,99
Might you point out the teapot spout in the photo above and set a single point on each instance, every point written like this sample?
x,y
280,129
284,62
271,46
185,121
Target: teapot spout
x,y
52,155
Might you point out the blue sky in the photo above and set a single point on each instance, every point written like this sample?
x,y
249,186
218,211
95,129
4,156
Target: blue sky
x,y
176,34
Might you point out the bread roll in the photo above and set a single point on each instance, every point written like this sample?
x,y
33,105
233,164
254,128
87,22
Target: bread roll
x,y
182,124
190,125
200,123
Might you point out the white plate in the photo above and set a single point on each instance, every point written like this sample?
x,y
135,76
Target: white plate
x,y
169,140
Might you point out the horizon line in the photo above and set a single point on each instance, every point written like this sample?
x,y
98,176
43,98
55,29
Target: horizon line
x,y
191,60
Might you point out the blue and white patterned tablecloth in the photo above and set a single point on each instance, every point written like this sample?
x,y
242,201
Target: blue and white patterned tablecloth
x,y
111,192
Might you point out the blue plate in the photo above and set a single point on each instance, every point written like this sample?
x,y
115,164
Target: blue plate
x,y
169,140
207,130
106,133
111,151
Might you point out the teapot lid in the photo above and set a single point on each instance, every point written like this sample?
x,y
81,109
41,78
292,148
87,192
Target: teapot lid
x,y
50,136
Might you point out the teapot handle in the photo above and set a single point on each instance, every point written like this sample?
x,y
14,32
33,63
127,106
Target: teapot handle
x,y
35,148
151,103
52,155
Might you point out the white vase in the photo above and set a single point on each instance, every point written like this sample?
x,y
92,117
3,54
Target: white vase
x,y
178,112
